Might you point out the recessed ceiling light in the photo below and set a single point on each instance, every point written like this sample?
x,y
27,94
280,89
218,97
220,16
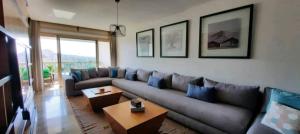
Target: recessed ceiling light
x,y
63,14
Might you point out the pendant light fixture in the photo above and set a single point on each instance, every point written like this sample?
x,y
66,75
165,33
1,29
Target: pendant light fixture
x,y
116,29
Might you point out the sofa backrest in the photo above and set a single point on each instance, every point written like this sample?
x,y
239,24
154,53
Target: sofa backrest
x,y
143,75
166,77
103,72
180,82
130,70
246,97
238,95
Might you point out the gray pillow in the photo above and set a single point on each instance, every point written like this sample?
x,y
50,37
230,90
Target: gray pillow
x,y
167,78
85,74
238,95
180,82
92,72
143,75
130,70
210,83
103,72
121,73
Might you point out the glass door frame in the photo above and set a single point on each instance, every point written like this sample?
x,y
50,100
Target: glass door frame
x,y
58,37
59,60
57,49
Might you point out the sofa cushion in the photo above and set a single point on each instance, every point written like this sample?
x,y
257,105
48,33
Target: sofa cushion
x,y
156,82
103,72
114,73
131,76
243,96
198,82
77,75
167,78
284,97
121,73
110,70
180,82
209,83
143,75
138,87
258,128
266,99
74,77
228,118
201,93
93,73
92,83
85,74
130,70
282,118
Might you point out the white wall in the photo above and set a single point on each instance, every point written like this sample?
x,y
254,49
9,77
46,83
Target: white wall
x,y
275,54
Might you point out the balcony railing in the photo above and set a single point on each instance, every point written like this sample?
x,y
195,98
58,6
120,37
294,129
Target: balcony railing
x,y
66,66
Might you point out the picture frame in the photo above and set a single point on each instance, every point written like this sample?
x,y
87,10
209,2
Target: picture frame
x,y
145,43
226,34
174,40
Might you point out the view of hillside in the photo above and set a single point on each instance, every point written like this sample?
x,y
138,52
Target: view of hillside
x,y
50,56
68,61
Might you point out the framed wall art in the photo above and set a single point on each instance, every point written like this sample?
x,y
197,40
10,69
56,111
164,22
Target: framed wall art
x,y
174,40
145,43
226,34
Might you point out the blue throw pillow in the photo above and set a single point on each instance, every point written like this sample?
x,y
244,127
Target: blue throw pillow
x,y
201,93
74,76
78,75
131,76
156,82
284,97
114,73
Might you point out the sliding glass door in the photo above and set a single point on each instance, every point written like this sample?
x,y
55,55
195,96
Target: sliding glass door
x,y
77,53
60,54
49,59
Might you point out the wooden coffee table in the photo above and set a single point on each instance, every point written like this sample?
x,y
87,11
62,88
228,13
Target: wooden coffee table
x,y
123,121
97,101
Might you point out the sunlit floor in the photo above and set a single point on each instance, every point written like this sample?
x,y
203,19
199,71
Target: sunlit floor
x,y
54,112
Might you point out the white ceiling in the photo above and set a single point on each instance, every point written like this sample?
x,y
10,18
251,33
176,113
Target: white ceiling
x,y
101,13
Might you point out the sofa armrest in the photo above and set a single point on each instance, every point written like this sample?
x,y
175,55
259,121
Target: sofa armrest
x,y
69,85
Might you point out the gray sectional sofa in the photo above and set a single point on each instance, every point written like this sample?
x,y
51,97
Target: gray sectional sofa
x,y
204,117
74,88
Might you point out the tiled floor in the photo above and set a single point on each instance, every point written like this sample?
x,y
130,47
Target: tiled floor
x,y
55,115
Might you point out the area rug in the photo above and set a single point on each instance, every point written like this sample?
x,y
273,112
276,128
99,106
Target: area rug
x,y
95,123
